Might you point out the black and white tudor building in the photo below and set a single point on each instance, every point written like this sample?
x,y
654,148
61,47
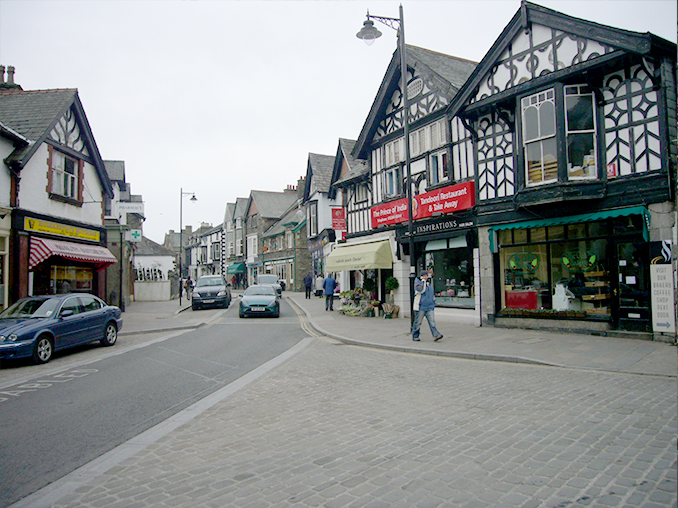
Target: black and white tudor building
x,y
544,177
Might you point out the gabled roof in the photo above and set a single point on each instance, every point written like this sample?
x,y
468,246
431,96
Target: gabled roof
x,y
240,207
33,114
271,205
147,247
292,219
616,42
115,170
448,72
357,168
318,170
228,214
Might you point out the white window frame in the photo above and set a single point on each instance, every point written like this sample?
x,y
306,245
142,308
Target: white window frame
x,y
392,182
541,102
589,169
313,218
438,167
64,175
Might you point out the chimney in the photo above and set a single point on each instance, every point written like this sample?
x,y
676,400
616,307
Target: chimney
x,y
2,74
301,186
9,84
10,75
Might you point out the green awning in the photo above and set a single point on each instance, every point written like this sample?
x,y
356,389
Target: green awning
x,y
236,268
360,257
574,219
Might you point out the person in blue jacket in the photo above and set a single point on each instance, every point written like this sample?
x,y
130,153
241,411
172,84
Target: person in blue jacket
x,y
424,305
329,285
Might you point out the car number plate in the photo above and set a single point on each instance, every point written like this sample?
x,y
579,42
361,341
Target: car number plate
x,y
208,301
258,309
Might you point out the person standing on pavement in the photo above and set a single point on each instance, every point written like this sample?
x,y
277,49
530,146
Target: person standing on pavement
x,y
424,305
319,285
308,283
329,285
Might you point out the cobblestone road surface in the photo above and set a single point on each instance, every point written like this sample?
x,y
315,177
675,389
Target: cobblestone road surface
x,y
339,426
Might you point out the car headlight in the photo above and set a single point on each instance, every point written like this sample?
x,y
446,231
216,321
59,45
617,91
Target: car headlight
x,y
273,302
13,337
221,293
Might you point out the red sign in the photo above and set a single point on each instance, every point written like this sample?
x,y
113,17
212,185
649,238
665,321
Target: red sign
x,y
449,199
338,219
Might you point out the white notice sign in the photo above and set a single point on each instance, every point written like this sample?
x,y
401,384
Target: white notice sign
x,y
663,299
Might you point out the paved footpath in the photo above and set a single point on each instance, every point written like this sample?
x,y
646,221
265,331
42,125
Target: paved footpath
x,y
334,425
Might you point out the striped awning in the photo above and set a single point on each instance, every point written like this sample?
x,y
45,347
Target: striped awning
x,y
43,248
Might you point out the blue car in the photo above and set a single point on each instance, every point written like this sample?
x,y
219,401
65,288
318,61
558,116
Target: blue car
x,y
37,326
259,301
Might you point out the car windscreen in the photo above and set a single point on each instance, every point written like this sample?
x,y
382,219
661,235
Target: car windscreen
x,y
260,290
212,281
35,308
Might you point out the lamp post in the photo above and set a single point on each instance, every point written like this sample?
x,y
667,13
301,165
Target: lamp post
x,y
181,235
369,33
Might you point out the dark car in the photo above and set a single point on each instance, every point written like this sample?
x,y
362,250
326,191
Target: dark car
x,y
259,301
211,291
38,326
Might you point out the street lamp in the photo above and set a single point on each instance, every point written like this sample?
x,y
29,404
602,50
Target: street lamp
x,y
181,234
369,33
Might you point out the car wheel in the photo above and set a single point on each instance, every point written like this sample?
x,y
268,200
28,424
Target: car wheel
x,y
42,352
194,307
241,314
110,335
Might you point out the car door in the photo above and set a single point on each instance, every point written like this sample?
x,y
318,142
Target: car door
x,y
93,318
68,328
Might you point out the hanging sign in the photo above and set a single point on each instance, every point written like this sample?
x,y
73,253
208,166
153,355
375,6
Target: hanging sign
x,y
338,219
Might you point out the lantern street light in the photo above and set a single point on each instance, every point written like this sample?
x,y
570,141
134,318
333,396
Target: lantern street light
x,y
369,33
181,236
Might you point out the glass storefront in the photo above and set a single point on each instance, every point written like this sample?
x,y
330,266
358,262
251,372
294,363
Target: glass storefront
x,y
50,279
453,277
575,267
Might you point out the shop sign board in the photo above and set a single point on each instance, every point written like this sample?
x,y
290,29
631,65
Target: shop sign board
x,y
54,228
338,219
662,288
450,199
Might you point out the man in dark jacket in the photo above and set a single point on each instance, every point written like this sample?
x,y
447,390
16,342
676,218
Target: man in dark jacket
x,y
424,305
308,282
329,285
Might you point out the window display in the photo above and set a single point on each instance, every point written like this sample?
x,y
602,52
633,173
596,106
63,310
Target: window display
x,y
452,277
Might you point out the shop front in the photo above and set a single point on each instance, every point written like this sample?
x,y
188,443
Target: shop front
x,y
592,267
447,247
58,257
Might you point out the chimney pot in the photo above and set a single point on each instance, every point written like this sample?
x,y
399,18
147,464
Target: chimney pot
x,y
10,75
2,73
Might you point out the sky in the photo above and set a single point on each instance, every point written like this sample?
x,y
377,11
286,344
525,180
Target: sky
x,y
219,98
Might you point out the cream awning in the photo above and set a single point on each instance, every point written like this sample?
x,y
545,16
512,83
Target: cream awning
x,y
360,257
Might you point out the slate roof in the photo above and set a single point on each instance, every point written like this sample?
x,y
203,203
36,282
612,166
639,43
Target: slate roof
x,y
320,168
291,219
240,207
271,205
34,113
357,167
147,247
451,73
115,170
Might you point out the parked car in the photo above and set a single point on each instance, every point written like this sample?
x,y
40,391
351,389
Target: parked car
x,y
259,300
268,278
211,290
38,326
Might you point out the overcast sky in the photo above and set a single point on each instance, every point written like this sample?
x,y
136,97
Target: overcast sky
x,y
223,97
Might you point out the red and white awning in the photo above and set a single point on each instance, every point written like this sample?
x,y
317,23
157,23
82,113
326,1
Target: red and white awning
x,y
42,248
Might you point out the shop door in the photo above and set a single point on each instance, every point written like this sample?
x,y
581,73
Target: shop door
x,y
632,292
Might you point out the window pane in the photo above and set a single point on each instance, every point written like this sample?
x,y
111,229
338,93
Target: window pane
x,y
531,123
581,159
547,119
556,232
434,169
534,166
537,234
504,237
576,231
579,113
520,236
550,148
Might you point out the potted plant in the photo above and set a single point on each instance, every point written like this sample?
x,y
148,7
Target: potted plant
x,y
369,285
391,285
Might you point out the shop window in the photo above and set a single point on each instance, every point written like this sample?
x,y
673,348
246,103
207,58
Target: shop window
x,y
453,281
556,232
70,279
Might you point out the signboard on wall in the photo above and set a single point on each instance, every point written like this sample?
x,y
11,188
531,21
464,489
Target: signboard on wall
x,y
338,219
54,228
450,199
662,287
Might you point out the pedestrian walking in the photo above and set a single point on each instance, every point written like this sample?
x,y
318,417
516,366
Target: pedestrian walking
x,y
319,286
424,305
188,285
308,284
329,285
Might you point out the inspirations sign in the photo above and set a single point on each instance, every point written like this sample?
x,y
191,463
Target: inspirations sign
x,y
449,199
